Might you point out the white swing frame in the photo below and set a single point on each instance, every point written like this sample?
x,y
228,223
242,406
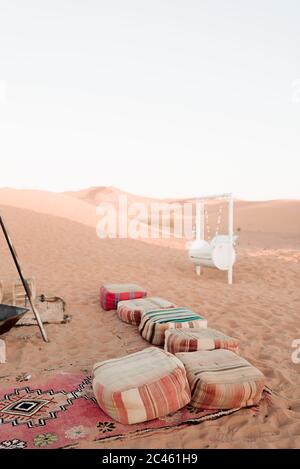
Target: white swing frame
x,y
200,222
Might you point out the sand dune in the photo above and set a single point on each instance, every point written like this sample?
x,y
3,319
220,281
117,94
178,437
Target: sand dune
x,y
50,203
275,216
97,195
57,244
278,216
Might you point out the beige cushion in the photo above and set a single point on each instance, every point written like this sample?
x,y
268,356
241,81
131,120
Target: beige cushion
x,y
191,340
141,386
220,379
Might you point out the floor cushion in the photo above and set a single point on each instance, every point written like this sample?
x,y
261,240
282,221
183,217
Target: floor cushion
x,y
131,310
154,323
220,379
141,386
191,340
110,295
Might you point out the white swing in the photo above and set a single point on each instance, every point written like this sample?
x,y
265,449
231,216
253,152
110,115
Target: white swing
x,y
219,251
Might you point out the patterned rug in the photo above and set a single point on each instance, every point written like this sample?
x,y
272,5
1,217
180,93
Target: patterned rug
x,y
62,411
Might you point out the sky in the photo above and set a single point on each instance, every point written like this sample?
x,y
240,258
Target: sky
x,y
164,98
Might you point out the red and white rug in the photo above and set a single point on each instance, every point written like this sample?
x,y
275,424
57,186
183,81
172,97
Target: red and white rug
x,y
60,412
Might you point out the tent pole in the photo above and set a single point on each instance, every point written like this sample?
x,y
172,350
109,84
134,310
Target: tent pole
x,y
199,226
23,280
230,238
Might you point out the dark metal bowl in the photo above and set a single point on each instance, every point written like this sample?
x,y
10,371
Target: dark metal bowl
x,y
9,316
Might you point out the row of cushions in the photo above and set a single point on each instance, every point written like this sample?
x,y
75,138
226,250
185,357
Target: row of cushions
x,y
154,383
161,322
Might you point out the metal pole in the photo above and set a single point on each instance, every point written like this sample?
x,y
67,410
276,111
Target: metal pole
x,y
203,197
198,219
230,238
199,226
24,282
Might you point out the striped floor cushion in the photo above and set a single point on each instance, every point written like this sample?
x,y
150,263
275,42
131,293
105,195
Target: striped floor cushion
x,y
185,340
141,386
154,323
220,379
110,295
131,310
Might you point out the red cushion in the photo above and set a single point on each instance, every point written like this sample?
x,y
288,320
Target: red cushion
x,y
110,295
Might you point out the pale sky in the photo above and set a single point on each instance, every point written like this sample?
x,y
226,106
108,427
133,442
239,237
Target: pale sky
x,y
163,98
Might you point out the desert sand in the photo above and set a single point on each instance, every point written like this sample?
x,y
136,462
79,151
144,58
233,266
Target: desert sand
x,y
56,240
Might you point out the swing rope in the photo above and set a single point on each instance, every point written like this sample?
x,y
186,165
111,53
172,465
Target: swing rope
x,y
218,225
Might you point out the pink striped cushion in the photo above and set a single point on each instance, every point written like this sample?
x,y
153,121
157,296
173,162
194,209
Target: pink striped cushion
x,y
131,310
191,340
220,379
110,295
141,386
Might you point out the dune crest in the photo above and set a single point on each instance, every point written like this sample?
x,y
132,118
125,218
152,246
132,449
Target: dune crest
x,y
277,216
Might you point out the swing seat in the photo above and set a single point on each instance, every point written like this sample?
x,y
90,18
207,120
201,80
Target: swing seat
x,y
9,316
220,239
215,255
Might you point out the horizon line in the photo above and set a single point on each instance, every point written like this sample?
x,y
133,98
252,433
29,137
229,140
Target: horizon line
x,y
124,192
